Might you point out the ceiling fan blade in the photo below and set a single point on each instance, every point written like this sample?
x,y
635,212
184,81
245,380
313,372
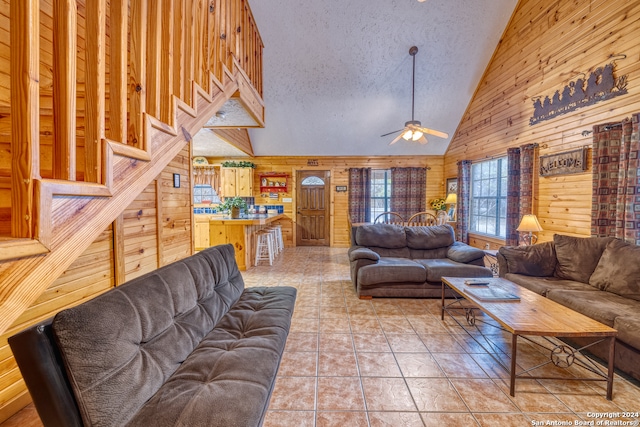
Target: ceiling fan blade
x,y
422,140
433,132
386,134
397,138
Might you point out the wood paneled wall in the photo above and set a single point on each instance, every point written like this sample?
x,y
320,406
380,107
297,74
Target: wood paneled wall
x,y
145,247
547,45
339,168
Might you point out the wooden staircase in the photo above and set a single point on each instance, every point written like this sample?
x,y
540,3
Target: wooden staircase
x,y
143,96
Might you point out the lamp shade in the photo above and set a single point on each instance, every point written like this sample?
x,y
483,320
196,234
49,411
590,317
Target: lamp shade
x,y
452,199
529,223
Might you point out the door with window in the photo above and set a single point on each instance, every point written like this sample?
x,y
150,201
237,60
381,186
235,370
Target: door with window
x,y
312,201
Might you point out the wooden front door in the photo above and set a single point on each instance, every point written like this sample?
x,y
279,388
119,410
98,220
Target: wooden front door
x,y
313,208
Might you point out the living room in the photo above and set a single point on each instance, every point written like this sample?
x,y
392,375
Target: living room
x,y
542,48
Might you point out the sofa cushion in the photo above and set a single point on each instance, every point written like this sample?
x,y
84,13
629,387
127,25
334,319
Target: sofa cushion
x,y
391,270
618,270
436,268
120,347
628,330
363,253
461,252
541,285
429,237
599,305
233,367
578,256
535,260
381,235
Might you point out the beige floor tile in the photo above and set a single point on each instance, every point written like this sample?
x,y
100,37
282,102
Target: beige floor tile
x,y
289,419
332,325
337,364
435,395
365,326
502,420
443,419
330,311
301,341
305,325
417,365
459,365
395,419
306,311
441,343
298,364
340,394
294,393
341,419
387,394
396,325
371,343
378,365
482,395
406,343
491,367
336,342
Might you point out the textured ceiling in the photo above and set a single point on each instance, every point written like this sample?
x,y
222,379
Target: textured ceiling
x,y
337,73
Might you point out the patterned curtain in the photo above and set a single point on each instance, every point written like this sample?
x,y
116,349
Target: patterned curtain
x,y
513,196
360,194
462,208
408,191
616,180
527,158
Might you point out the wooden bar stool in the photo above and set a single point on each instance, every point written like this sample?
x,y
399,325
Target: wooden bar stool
x,y
278,241
264,247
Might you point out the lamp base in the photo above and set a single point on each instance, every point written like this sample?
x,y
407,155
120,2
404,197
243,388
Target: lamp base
x,y
529,239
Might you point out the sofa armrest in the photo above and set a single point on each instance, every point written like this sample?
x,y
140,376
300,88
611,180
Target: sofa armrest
x,y
363,253
461,252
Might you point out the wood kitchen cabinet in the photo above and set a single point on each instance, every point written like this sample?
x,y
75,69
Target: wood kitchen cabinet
x,y
236,182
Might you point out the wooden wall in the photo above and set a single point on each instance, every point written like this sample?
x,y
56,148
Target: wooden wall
x,y
339,167
123,251
547,45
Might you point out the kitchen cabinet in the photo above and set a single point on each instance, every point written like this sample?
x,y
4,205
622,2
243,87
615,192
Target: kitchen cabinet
x,y
201,232
236,182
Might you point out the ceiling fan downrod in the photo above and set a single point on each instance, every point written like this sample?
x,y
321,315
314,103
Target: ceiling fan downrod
x,y
413,51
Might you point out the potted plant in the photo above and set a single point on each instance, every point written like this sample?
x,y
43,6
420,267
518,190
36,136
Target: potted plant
x,y
234,205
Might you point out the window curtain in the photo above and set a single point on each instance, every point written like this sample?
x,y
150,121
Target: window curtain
x,y
462,208
408,191
513,196
616,180
360,194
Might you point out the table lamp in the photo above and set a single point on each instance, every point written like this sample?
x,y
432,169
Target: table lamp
x,y
529,223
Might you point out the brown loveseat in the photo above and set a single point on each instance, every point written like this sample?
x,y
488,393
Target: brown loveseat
x,y
395,261
597,276
184,345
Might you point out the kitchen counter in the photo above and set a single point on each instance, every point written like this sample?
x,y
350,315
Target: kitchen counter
x,y
250,219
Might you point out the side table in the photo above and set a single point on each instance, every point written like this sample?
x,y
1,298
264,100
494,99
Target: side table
x,y
491,260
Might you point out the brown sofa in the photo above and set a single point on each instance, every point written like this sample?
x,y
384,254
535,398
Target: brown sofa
x,y
184,345
394,261
597,276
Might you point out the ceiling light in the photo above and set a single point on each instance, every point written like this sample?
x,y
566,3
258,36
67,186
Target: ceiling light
x,y
407,135
416,135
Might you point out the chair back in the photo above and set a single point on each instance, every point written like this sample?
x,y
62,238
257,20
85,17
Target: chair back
x,y
389,218
422,218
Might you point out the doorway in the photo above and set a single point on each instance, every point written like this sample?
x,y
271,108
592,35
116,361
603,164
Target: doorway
x,y
312,201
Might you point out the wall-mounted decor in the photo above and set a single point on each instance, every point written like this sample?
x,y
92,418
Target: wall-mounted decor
x,y
341,188
176,180
312,162
452,185
574,161
599,86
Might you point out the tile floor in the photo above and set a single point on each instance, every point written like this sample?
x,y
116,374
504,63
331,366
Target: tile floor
x,y
393,362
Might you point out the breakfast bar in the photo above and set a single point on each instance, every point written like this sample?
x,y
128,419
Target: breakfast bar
x,y
240,233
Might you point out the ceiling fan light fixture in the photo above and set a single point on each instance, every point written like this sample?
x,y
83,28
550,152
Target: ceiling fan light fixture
x,y
417,135
407,135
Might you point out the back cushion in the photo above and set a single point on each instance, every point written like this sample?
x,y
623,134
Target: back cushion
x,y
535,260
120,347
619,270
578,256
381,235
429,237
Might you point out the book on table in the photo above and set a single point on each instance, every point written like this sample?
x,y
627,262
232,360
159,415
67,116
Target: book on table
x,y
492,294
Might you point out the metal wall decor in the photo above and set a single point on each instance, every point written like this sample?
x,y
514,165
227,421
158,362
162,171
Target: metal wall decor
x,y
574,161
599,86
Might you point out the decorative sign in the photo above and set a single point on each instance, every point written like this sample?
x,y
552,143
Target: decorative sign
x,y
599,86
574,161
312,162
341,188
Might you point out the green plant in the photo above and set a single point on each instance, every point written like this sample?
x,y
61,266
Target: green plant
x,y
233,202
240,164
438,205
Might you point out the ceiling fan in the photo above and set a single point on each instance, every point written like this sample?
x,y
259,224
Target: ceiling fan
x,y
413,130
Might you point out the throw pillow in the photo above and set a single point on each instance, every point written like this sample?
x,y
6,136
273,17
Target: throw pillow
x,y
578,256
535,260
619,270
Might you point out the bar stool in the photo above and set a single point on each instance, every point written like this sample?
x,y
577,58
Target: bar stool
x,y
279,239
264,247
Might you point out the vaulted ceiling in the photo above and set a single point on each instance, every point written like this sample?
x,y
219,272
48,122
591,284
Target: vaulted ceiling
x,y
337,74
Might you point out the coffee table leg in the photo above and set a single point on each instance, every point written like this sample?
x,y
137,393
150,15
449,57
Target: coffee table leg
x,y
442,306
514,351
612,354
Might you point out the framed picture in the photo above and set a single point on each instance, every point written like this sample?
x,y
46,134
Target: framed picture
x,y
452,185
452,213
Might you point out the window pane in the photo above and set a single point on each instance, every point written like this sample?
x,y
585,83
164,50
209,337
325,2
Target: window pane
x,y
488,197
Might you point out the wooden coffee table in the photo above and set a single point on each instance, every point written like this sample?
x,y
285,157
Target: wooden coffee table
x,y
534,315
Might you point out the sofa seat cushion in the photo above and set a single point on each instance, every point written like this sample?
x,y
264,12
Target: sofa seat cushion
x,y
541,285
599,305
578,256
628,330
436,268
618,270
233,367
391,270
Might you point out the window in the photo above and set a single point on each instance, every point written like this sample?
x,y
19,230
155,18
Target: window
x,y
380,192
488,210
